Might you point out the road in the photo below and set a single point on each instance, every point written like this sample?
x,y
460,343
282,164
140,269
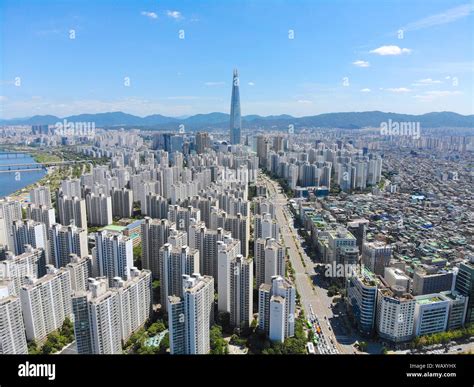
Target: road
x,y
304,270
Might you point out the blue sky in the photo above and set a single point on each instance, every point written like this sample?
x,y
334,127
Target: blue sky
x,y
344,56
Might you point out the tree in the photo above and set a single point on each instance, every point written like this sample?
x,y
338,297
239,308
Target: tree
x,y
33,348
155,328
223,320
218,345
67,330
137,256
164,344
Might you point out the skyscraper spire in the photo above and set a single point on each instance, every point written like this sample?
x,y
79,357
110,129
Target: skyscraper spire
x,y
235,119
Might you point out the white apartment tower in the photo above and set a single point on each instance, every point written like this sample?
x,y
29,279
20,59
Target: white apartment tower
x,y
72,210
12,329
155,233
269,260
10,211
114,254
99,209
190,317
276,309
64,241
46,302
174,263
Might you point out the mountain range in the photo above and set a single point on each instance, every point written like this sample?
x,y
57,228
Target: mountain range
x,y
349,120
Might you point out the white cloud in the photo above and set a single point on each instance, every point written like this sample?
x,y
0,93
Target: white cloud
x,y
427,82
251,84
174,14
151,15
366,90
398,90
214,83
390,50
435,94
361,63
183,97
445,17
304,101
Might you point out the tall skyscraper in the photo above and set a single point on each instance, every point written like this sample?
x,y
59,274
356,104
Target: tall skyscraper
x,y
235,119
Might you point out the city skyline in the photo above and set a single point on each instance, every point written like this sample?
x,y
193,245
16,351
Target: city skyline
x,y
297,62
317,203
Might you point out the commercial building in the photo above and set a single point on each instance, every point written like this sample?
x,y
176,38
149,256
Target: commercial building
x,y
395,314
465,286
362,300
376,256
235,119
431,314
430,279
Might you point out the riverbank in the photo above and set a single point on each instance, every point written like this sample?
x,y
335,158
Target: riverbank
x,y
23,194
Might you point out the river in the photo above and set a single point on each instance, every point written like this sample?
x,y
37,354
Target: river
x,y
11,182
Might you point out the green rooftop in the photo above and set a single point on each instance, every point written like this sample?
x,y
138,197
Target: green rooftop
x,y
112,227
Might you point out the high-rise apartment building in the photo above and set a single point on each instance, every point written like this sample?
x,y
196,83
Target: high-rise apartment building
x,y
99,209
155,233
276,309
72,210
66,240
12,329
174,263
46,302
190,317
114,255
269,260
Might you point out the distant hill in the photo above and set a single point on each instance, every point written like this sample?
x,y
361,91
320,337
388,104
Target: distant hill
x,y
348,120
